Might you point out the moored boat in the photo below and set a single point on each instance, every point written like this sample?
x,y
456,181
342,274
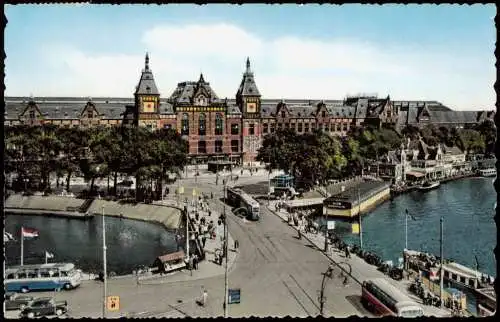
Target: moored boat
x,y
428,185
490,172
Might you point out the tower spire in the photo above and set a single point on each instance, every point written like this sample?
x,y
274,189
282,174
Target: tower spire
x,y
147,61
248,65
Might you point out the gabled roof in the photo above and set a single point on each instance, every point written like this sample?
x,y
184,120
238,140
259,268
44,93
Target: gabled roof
x,y
186,91
247,85
147,83
453,150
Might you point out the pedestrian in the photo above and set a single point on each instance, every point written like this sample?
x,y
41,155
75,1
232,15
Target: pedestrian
x,y
191,264
209,213
203,240
347,253
195,261
211,195
204,297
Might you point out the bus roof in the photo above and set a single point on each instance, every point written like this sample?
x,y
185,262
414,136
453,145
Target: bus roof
x,y
391,290
64,266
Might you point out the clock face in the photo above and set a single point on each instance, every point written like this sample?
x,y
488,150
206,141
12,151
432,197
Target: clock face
x,y
148,107
251,107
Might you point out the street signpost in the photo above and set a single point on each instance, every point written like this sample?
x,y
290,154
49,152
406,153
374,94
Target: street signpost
x,y
234,295
113,303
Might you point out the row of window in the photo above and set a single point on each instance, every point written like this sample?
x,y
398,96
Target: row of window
x,y
304,127
32,114
235,146
202,125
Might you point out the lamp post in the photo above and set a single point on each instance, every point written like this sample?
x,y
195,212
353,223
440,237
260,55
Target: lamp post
x,y
105,278
226,281
226,242
328,273
360,226
406,229
441,277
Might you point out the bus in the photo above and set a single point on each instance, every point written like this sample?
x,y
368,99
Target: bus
x,y
384,299
42,277
239,198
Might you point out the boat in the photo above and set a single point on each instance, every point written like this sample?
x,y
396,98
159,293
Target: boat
x,y
486,302
428,185
490,172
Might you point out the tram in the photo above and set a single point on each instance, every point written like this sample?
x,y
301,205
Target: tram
x,y
239,198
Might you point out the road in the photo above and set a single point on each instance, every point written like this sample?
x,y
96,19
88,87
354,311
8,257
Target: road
x,y
277,273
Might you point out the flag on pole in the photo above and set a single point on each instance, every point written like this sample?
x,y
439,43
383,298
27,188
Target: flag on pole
x,y
29,233
48,255
410,215
7,237
477,262
355,228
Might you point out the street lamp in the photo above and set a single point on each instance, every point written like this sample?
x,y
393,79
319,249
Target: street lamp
x,y
329,273
226,241
105,277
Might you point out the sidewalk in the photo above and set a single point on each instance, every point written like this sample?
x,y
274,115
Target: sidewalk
x,y
206,268
360,269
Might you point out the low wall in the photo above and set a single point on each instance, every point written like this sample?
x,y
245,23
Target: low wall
x,y
168,216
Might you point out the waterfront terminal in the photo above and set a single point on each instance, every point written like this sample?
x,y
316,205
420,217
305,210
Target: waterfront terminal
x,y
358,199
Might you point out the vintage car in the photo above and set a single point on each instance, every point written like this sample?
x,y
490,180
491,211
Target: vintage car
x,y
16,301
44,306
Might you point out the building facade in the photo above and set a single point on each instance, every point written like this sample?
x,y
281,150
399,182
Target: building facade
x,y
230,129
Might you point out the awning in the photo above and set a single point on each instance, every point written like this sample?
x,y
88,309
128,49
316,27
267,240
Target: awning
x,y
171,257
415,174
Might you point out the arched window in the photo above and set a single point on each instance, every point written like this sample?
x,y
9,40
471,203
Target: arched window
x,y
185,124
218,124
202,124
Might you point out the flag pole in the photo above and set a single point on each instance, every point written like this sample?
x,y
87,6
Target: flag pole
x,y
46,257
22,246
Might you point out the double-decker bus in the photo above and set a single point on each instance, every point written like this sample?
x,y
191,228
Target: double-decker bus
x,y
384,299
41,277
239,198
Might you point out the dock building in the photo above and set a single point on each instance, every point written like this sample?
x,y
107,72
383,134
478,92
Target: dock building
x,y
357,199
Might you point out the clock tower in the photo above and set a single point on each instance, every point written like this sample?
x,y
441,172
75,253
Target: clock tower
x,y
248,100
147,99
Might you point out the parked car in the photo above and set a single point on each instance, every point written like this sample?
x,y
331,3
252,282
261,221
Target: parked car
x,y
44,306
16,301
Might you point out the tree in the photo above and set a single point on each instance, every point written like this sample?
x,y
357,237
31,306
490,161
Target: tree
x,y
488,131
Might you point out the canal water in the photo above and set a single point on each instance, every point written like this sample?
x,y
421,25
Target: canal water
x,y
130,243
469,231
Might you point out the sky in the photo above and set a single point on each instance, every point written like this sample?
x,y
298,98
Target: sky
x,y
410,52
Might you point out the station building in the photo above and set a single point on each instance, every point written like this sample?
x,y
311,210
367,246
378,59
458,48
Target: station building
x,y
230,129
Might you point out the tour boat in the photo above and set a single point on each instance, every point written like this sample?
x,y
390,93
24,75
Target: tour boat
x,y
429,185
491,172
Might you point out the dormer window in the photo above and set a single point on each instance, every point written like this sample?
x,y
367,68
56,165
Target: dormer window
x,y
201,100
32,114
148,89
90,114
283,114
323,114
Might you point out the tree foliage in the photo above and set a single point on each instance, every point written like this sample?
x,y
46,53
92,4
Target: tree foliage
x,y
33,153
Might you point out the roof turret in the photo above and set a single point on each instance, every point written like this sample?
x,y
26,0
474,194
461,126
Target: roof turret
x,y
247,86
147,83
